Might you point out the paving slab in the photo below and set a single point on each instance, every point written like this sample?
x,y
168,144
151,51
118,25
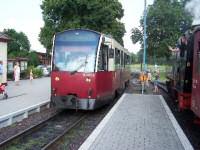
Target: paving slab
x,y
138,122
25,95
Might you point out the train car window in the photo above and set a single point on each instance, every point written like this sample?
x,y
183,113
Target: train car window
x,y
125,59
122,59
117,58
128,60
73,48
111,53
103,58
105,55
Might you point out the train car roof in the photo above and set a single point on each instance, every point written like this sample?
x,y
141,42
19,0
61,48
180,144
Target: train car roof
x,y
79,29
108,38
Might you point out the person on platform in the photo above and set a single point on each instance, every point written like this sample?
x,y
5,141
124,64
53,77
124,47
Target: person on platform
x,y
180,46
31,75
17,73
1,71
156,81
143,79
148,78
2,86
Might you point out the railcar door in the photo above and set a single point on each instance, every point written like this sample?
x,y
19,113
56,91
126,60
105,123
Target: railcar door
x,y
117,69
103,76
196,76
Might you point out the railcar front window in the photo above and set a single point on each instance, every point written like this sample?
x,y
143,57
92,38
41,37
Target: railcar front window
x,y
75,51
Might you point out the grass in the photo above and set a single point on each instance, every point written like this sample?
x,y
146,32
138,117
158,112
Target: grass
x,y
163,69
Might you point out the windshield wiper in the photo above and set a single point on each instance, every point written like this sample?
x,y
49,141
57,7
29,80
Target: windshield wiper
x,y
83,64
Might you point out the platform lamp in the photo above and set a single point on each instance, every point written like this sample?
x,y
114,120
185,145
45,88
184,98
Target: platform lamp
x,y
144,39
145,36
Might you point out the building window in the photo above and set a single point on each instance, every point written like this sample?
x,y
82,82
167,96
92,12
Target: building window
x,y
10,67
22,66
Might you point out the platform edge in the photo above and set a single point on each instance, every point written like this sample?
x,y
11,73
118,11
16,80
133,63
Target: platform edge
x,y
89,141
182,137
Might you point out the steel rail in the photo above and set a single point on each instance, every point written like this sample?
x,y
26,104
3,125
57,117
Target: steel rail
x,y
67,130
25,132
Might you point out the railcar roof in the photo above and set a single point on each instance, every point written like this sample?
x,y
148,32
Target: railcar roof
x,y
78,29
105,35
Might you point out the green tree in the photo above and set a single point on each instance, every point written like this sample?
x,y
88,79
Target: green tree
x,y
99,15
19,43
166,21
33,59
134,58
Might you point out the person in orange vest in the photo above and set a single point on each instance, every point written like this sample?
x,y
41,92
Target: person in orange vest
x,y
143,79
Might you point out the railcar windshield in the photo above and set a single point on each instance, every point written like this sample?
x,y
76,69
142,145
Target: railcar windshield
x,y
75,50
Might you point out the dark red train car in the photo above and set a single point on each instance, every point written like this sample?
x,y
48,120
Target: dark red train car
x,y
196,74
88,68
184,81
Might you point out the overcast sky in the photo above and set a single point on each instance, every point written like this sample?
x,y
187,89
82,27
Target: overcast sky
x,y
26,16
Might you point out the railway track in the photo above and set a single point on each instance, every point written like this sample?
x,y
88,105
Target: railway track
x,y
59,138
27,131
44,134
162,86
50,133
184,118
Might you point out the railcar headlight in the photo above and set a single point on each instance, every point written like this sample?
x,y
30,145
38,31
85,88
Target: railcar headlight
x,y
57,79
88,80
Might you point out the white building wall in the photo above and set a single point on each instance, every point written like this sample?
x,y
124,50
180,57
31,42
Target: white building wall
x,y
3,58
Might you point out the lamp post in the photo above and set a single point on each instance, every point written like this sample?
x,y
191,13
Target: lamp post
x,y
145,36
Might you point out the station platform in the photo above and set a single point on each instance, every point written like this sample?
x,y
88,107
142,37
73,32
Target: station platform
x,y
138,122
27,96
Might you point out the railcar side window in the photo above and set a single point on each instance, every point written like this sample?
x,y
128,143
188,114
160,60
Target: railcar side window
x,y
127,59
103,58
111,53
117,58
122,59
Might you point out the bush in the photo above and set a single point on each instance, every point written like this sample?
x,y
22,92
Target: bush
x,y
37,73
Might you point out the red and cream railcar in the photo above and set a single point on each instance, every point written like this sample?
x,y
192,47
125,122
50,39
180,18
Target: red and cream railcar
x,y
88,68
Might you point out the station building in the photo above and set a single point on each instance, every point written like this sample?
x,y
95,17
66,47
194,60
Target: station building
x,y
3,54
